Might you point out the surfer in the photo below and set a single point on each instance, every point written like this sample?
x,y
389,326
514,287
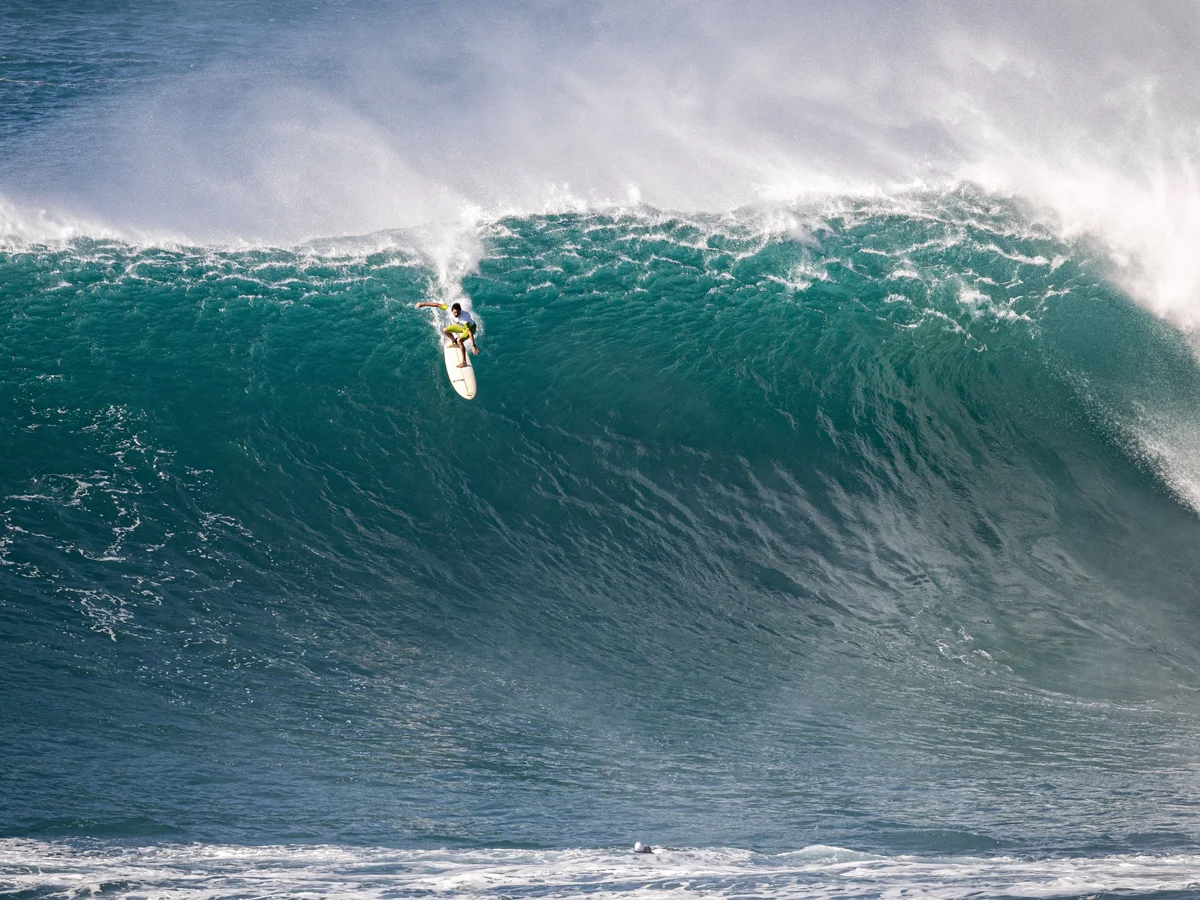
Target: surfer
x,y
462,326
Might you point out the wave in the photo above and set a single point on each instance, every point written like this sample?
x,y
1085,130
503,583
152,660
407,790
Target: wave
x,y
854,522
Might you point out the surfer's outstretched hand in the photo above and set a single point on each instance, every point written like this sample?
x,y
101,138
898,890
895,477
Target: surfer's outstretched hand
x,y
474,349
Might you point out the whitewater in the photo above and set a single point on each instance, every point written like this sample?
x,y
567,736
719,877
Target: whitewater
x,y
826,516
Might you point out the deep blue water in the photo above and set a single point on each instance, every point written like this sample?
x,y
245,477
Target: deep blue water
x,y
863,523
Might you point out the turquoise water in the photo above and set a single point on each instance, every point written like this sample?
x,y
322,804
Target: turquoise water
x,y
845,544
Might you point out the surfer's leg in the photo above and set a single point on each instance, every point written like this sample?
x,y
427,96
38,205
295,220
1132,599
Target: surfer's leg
x,y
456,333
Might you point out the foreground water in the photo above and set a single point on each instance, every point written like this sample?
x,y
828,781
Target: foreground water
x,y
40,870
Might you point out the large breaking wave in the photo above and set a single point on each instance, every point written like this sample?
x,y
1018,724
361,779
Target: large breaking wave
x,y
832,482
854,524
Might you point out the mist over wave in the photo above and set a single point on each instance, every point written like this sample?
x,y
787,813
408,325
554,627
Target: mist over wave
x,y
273,126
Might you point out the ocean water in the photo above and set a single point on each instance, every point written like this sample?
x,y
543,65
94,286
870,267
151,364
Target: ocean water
x,y
838,546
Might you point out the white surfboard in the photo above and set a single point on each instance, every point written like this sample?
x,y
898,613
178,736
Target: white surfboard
x,y
463,380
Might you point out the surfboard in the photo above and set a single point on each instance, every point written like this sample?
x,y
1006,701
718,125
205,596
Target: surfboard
x,y
462,380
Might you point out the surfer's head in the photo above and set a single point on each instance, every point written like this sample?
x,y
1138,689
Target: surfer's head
x,y
456,308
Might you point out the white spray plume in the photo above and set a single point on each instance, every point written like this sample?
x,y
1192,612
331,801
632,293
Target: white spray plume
x,y
403,117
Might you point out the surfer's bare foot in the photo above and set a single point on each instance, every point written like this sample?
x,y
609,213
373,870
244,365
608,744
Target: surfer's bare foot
x,y
462,365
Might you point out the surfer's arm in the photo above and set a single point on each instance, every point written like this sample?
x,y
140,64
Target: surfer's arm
x,y
425,303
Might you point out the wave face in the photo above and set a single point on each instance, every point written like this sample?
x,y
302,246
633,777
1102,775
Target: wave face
x,y
849,527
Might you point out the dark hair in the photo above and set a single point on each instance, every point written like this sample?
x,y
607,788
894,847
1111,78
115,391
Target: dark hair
x,y
455,307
